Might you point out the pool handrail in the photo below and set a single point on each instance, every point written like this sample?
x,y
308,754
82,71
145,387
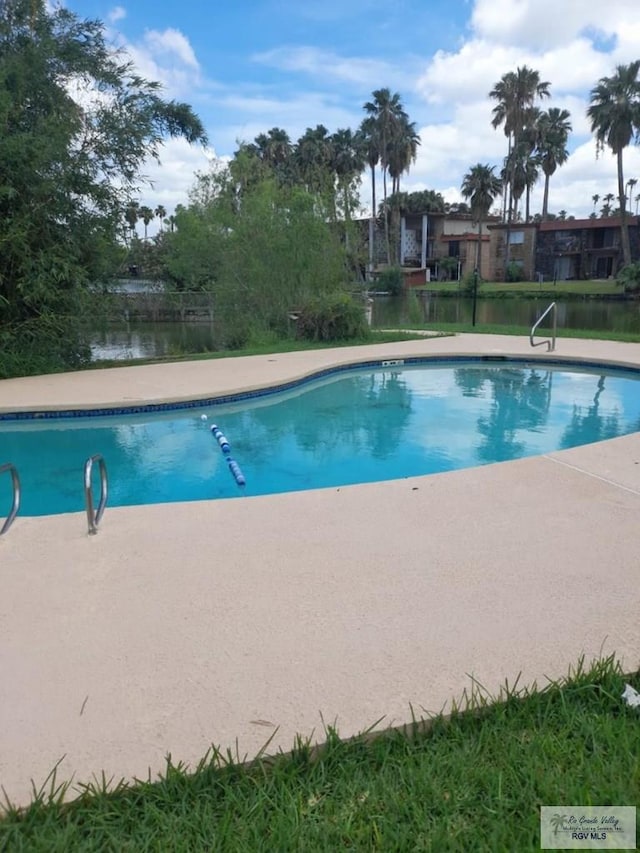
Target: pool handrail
x,y
551,343
93,517
15,503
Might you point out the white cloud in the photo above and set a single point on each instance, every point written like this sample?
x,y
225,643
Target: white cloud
x,y
571,42
168,58
544,24
118,13
325,64
171,43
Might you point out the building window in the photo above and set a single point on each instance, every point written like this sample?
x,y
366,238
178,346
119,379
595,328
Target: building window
x,y
516,237
454,248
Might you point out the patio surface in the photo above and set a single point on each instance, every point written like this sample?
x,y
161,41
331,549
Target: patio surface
x,y
224,622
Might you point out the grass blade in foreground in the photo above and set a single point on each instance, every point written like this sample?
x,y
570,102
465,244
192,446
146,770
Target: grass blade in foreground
x,y
474,781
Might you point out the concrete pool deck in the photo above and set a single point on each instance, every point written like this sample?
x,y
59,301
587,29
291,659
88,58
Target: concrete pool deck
x,y
224,622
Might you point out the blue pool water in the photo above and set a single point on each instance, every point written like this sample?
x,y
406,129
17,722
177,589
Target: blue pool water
x,y
358,426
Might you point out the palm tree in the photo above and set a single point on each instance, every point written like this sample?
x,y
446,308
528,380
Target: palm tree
x,y
278,147
562,215
637,203
146,214
161,213
402,150
516,93
368,132
347,163
312,156
553,129
631,184
131,215
481,187
595,199
615,119
386,110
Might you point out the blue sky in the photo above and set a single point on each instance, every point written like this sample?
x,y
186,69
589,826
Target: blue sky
x,y
248,66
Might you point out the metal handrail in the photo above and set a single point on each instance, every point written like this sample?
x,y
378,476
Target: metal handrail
x,y
551,344
93,517
15,505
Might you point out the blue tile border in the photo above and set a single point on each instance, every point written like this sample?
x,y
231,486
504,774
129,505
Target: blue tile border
x,y
409,361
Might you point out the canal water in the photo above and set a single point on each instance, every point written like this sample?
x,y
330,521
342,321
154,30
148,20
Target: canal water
x,y
153,340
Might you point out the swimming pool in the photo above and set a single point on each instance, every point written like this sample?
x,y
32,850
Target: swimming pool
x,y
379,422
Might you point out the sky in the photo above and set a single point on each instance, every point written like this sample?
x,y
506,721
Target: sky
x,y
248,65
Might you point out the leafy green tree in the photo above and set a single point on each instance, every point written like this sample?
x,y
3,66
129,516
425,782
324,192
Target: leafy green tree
x,y
262,253
78,123
481,187
614,113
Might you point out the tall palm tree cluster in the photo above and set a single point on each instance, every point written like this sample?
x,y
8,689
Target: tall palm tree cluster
x,y
135,212
614,113
331,165
537,139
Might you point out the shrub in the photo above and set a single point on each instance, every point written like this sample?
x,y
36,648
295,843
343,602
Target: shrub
x,y
468,282
332,317
515,272
47,344
391,279
629,277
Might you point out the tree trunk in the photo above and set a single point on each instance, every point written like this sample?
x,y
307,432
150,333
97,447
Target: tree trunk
x,y
386,213
347,216
479,249
372,235
624,230
545,199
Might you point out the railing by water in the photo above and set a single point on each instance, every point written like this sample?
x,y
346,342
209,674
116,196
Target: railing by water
x,y
550,342
94,516
15,503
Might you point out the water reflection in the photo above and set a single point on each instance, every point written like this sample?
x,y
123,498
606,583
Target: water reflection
x,y
589,424
598,314
152,340
520,403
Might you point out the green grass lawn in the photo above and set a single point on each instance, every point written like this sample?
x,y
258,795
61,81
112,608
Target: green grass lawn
x,y
474,782
603,287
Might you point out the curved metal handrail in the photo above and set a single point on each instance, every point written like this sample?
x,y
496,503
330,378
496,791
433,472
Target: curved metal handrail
x,y
93,517
551,344
15,505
